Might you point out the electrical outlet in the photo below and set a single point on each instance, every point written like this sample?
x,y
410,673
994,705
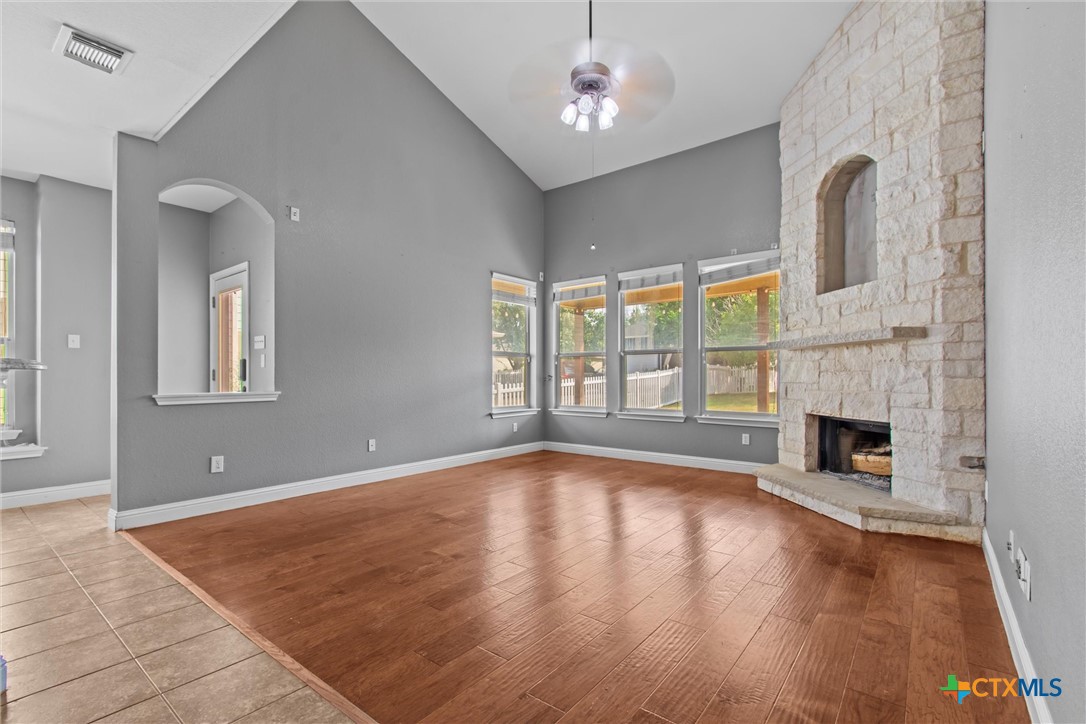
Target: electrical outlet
x,y
746,438
216,463
1023,569
1010,546
986,490
373,445
515,427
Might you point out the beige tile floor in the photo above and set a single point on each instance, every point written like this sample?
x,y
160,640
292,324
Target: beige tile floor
x,y
95,631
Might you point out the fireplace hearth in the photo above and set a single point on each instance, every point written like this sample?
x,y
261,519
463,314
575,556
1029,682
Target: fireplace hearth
x,y
856,450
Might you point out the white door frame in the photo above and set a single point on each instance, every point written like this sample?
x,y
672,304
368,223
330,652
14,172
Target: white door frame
x,y
216,279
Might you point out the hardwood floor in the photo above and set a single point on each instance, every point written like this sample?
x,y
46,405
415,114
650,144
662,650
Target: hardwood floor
x,y
551,586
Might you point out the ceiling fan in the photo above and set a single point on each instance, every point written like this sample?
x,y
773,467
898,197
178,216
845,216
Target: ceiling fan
x,y
608,76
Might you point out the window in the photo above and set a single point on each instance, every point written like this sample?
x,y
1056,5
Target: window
x,y
5,394
740,317
7,281
512,342
229,329
7,317
652,339
580,311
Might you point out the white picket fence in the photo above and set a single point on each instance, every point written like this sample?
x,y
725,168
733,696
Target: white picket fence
x,y
723,380
654,389
644,390
509,389
595,391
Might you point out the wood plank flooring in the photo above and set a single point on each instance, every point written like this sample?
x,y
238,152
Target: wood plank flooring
x,y
551,587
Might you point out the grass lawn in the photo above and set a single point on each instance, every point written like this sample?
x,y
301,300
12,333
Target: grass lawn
x,y
733,402
738,402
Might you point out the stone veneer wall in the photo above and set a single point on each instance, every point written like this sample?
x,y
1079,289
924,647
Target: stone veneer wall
x,y
901,83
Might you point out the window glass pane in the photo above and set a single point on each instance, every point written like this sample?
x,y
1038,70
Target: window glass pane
x,y
653,318
503,285
653,381
231,340
510,381
582,325
741,381
583,381
510,327
743,311
7,279
5,397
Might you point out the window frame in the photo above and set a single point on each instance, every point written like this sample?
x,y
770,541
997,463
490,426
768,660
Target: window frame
x,y
556,330
530,355
771,258
665,276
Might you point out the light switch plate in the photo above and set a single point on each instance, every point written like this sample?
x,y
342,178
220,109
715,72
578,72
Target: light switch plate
x,y
73,341
295,213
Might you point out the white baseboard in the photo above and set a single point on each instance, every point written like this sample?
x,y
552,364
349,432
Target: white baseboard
x,y
229,501
1037,706
52,494
687,461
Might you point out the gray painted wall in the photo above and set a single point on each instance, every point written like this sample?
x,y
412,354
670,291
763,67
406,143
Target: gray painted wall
x,y
19,203
238,234
382,289
74,239
695,205
1034,111
183,244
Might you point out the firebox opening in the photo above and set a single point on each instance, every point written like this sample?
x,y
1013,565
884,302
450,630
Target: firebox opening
x,y
856,450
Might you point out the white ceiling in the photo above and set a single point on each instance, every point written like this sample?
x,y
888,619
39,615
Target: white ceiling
x,y
717,68
732,62
59,116
199,197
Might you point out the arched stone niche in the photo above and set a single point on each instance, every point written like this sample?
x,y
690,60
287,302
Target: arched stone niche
x,y
847,216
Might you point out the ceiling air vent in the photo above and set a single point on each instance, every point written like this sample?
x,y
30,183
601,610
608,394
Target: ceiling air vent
x,y
91,51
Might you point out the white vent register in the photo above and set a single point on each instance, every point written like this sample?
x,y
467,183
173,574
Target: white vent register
x,y
91,51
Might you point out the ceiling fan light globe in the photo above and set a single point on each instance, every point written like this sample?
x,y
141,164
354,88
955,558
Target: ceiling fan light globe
x,y
586,104
605,120
569,113
582,123
608,105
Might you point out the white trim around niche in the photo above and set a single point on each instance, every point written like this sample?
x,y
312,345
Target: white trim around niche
x,y
213,398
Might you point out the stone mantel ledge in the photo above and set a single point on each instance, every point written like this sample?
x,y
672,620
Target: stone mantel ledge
x,y
844,339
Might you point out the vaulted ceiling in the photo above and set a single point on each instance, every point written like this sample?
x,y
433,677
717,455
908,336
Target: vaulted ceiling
x,y
691,72
505,64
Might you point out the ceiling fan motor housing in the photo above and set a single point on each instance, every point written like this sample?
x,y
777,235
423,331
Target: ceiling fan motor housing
x,y
592,78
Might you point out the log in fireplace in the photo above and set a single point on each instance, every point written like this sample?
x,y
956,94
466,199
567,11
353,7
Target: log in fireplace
x,y
858,450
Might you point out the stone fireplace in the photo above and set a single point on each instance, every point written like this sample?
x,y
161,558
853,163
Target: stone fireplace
x,y
882,243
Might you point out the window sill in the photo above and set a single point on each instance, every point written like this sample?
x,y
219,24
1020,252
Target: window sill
x,y
213,398
740,420
565,411
518,412
651,416
19,452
